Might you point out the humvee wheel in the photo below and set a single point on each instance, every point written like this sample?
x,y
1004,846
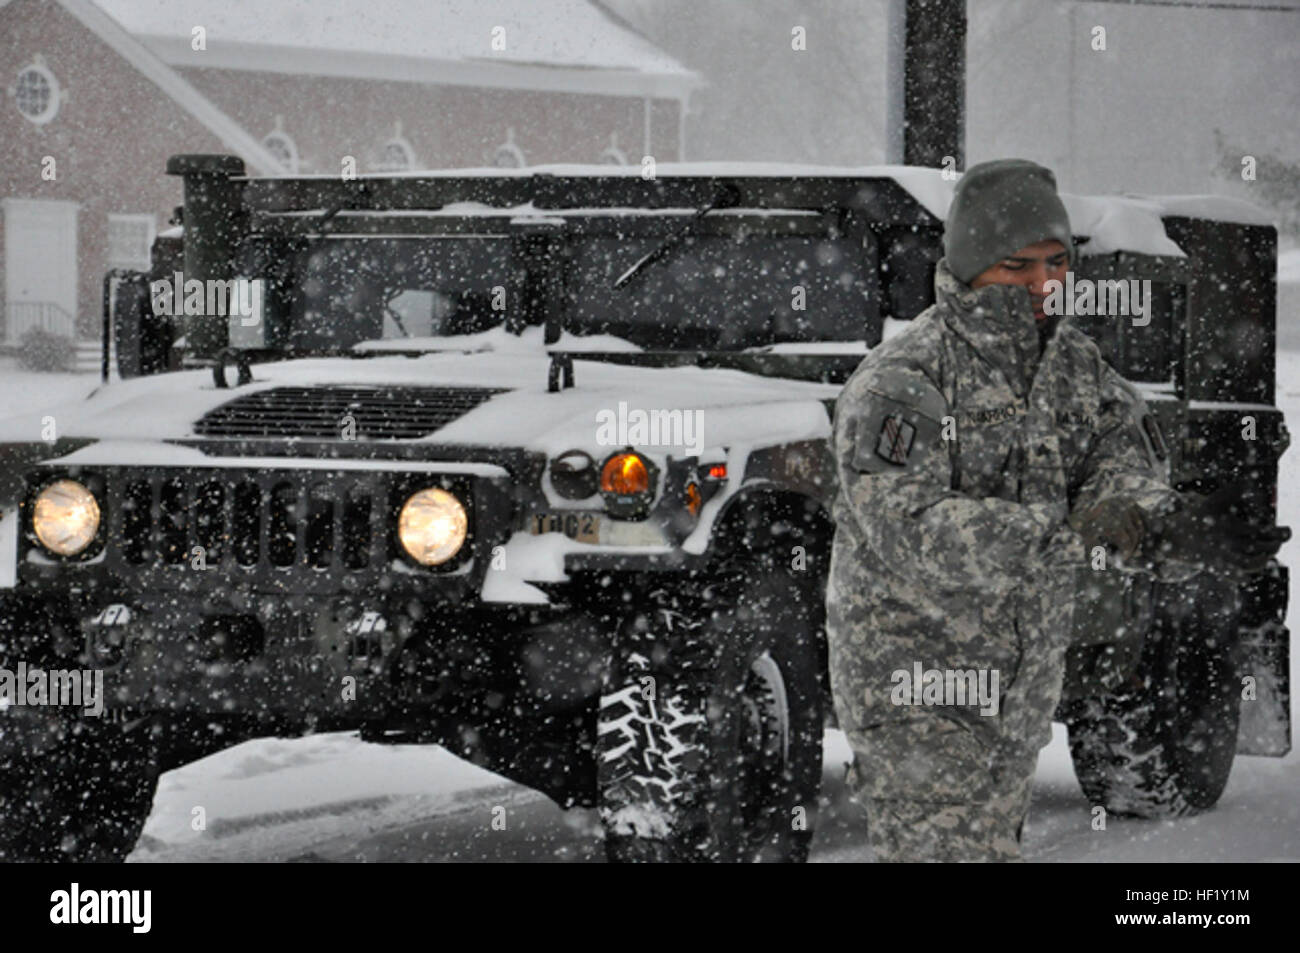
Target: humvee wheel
x,y
1163,745
85,799
724,763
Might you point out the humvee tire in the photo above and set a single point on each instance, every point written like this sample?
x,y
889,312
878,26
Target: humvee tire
x,y
742,781
1163,745
84,800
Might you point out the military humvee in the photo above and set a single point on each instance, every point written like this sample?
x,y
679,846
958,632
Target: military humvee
x,y
532,464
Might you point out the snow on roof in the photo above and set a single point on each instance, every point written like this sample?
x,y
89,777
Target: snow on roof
x,y
1219,208
229,132
562,45
924,184
1111,223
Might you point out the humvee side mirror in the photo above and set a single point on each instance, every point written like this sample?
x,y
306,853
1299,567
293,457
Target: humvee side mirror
x,y
141,338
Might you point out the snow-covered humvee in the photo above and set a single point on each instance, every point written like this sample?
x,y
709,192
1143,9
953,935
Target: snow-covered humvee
x,y
533,464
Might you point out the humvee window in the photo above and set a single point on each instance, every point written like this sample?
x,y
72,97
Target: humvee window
x,y
353,290
723,291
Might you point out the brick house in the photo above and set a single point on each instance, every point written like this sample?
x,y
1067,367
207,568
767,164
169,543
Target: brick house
x,y
98,93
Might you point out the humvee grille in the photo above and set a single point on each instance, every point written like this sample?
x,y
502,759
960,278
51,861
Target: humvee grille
x,y
363,413
306,529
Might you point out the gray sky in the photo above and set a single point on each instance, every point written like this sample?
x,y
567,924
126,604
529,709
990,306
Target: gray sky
x,y
1138,116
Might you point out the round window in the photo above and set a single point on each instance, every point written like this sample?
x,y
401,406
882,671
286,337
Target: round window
x,y
37,93
283,148
508,155
398,156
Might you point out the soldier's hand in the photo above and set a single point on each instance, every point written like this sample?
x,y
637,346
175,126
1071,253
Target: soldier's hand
x,y
1114,523
1210,532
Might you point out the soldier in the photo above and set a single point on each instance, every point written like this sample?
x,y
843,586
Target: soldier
x,y
982,455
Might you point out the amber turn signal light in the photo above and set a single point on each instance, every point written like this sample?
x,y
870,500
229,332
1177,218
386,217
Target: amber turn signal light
x,y
625,474
694,500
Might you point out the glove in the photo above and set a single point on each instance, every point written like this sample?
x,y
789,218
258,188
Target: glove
x,y
1209,531
1115,523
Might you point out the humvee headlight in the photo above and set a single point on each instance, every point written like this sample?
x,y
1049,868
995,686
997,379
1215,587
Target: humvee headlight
x,y
65,517
625,474
432,526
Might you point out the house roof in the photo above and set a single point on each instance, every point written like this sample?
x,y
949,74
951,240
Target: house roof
x,y
229,132
560,45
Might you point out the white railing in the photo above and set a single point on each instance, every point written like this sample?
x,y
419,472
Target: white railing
x,y
22,317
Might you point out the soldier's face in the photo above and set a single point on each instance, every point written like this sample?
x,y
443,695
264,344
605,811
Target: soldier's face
x,y
1031,267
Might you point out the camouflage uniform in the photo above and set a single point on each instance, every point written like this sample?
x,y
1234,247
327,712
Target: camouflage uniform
x,y
960,452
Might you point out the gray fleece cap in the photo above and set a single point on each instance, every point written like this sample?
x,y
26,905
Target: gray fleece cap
x,y
998,208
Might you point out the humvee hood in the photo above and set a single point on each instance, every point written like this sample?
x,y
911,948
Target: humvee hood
x,y
503,402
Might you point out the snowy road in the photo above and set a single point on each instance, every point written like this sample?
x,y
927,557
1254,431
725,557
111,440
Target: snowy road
x,y
1258,818
333,798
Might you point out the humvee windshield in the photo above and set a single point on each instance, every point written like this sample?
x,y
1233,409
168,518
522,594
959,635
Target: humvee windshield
x,y
721,291
366,289
725,286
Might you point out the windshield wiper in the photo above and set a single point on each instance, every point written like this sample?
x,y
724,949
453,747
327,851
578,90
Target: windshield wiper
x,y
391,312
727,196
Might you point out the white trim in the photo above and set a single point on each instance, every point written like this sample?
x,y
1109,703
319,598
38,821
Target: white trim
x,y
682,113
301,61
23,200
231,134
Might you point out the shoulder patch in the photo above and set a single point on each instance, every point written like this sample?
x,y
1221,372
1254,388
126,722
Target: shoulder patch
x,y
896,439
899,417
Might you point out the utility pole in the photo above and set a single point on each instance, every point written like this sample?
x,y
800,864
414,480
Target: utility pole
x,y
926,65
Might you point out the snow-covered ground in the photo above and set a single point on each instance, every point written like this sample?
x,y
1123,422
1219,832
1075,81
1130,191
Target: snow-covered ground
x,y
332,797
24,392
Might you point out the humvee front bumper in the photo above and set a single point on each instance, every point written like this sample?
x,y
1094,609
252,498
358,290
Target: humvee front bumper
x,y
342,660
280,587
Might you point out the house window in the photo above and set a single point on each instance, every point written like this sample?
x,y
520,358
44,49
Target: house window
x,y
396,155
129,240
508,155
37,94
281,145
613,155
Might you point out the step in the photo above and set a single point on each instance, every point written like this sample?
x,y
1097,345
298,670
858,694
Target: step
x,y
89,356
